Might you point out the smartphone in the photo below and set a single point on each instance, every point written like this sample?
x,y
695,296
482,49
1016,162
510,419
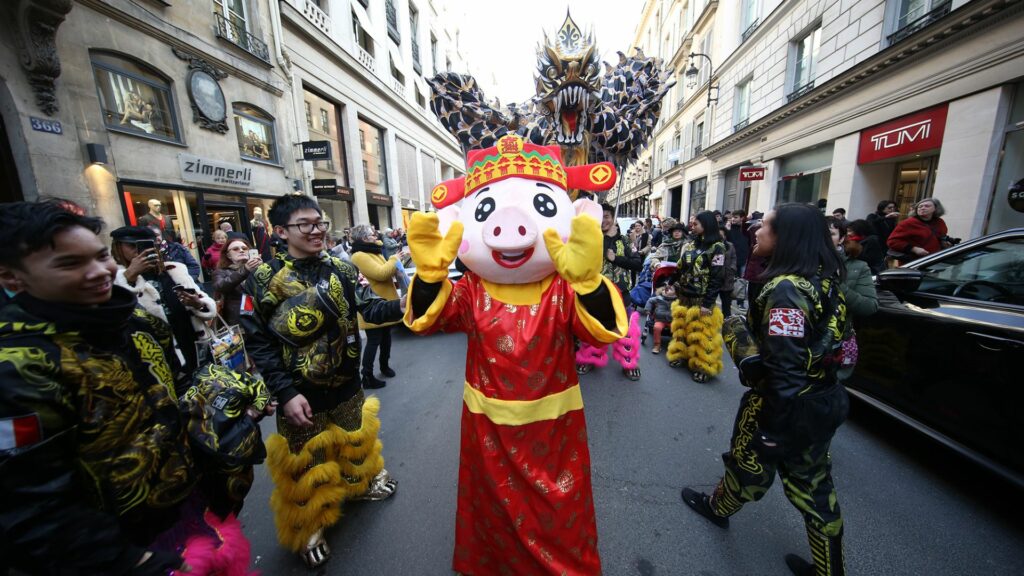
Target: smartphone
x,y
254,254
180,288
143,245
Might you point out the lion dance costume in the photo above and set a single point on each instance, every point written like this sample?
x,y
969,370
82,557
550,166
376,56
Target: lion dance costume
x,y
300,315
696,337
533,284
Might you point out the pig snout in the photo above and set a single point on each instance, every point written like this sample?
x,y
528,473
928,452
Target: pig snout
x,y
510,229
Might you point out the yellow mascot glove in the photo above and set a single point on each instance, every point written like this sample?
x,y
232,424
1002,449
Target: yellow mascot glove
x,y
431,253
579,260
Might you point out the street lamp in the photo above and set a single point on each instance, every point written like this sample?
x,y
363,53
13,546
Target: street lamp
x,y
692,73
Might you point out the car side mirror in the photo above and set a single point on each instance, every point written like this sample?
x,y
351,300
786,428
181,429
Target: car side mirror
x,y
900,280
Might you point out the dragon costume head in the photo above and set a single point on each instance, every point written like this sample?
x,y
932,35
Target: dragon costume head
x,y
567,80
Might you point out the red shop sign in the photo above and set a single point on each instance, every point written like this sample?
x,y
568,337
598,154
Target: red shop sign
x,y
751,173
917,132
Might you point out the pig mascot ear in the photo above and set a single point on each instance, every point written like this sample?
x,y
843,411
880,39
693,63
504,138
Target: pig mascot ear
x,y
588,207
447,215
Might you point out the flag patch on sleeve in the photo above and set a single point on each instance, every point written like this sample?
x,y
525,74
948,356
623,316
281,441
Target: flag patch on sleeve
x,y
19,432
787,322
246,307
718,260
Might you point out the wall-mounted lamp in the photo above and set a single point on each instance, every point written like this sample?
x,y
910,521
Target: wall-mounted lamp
x,y
692,73
96,153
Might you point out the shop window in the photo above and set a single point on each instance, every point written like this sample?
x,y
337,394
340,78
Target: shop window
x,y
375,173
698,196
327,127
255,131
909,16
804,59
134,98
915,181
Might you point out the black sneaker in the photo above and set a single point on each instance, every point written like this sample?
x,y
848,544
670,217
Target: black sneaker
x,y
372,383
387,372
701,505
798,566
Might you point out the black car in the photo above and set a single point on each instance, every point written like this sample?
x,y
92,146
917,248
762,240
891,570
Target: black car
x,y
945,352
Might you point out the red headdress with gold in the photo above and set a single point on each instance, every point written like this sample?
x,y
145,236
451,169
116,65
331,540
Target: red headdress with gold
x,y
514,158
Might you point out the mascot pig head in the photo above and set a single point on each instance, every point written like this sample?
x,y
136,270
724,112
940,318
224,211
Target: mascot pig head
x,y
510,195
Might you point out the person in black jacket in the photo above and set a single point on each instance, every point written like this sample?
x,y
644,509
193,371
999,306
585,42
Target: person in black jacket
x,y
94,459
787,352
694,314
884,220
871,249
299,314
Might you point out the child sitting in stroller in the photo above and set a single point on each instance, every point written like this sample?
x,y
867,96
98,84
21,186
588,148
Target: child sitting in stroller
x,y
659,308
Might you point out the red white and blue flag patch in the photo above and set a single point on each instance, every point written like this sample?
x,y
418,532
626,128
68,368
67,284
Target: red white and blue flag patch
x,y
20,432
246,307
787,322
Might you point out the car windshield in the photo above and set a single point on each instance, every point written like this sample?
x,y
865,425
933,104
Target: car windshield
x,y
991,272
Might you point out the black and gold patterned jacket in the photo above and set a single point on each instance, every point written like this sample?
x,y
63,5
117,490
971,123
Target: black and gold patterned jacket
x,y
798,324
302,330
102,461
701,272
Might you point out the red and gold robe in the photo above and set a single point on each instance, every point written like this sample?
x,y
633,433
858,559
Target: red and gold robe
x,y
524,499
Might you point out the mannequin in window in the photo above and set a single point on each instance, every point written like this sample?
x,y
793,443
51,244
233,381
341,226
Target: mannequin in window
x,y
155,216
261,238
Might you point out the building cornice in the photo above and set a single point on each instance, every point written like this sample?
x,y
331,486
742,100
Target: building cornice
x,y
959,23
183,40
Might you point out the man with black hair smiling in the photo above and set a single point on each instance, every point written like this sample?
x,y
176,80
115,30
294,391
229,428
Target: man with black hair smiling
x,y
94,460
299,312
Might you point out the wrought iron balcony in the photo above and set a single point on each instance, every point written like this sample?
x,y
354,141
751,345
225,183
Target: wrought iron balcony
x,y
909,28
416,57
392,16
740,125
239,36
800,91
750,30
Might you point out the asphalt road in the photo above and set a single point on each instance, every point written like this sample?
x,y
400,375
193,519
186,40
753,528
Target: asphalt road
x,y
910,507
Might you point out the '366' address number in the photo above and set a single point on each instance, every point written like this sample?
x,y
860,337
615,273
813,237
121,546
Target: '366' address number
x,y
42,125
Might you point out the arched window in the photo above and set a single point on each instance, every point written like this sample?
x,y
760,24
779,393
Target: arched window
x,y
255,131
134,98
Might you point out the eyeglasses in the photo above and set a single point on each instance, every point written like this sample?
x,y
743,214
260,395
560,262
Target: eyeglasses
x,y
307,227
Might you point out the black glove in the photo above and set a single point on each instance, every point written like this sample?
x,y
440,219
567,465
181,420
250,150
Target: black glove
x,y
159,564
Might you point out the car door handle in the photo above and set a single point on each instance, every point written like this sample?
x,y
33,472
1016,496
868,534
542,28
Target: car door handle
x,y
995,343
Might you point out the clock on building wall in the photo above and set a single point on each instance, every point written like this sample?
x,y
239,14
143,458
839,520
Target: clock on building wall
x,y
209,107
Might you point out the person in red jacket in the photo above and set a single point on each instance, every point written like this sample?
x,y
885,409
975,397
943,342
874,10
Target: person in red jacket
x,y
923,233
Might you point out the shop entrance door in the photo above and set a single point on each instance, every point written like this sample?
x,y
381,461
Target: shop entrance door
x,y
10,184
915,181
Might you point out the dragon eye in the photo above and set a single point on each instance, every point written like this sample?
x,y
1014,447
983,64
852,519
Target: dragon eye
x,y
551,72
544,205
484,209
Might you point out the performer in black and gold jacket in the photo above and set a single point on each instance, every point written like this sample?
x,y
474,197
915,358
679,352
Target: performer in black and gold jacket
x,y
299,312
789,358
94,461
696,321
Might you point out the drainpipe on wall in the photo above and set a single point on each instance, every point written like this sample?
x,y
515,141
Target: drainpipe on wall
x,y
284,63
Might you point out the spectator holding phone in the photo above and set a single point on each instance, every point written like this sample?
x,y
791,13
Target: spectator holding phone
x,y
237,260
165,290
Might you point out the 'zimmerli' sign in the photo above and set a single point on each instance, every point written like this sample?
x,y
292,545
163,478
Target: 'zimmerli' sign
x,y
206,171
917,132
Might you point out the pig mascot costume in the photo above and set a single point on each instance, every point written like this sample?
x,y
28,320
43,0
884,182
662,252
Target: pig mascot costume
x,y
533,283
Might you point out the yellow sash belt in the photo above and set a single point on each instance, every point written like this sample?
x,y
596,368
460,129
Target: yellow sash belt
x,y
519,412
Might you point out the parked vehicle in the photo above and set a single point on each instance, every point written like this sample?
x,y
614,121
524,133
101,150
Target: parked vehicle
x,y
945,354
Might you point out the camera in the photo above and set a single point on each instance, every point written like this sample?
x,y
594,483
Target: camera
x,y
950,240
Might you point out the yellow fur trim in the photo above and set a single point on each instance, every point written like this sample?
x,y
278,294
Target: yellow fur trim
x,y
304,506
676,351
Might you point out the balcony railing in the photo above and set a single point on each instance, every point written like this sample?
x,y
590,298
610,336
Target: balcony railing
x,y
909,28
750,30
416,57
366,59
740,125
239,36
317,17
398,87
800,91
697,150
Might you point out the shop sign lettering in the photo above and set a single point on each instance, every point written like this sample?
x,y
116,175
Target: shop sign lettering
x,y
912,134
316,150
751,173
206,171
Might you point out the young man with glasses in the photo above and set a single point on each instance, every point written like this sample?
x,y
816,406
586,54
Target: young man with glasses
x,y
299,312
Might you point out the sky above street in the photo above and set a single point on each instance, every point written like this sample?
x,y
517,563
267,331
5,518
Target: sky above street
x,y
499,39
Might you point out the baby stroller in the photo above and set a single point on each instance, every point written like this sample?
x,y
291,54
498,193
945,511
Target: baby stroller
x,y
664,274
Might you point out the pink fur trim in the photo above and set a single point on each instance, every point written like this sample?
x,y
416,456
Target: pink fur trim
x,y
229,557
627,350
592,355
